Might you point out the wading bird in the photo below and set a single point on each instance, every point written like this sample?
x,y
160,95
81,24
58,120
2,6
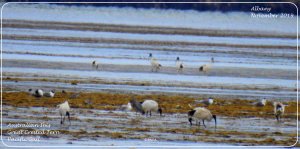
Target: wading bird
x,y
261,102
49,94
95,65
179,65
36,93
154,63
278,110
203,114
151,106
31,92
126,108
206,67
64,110
207,102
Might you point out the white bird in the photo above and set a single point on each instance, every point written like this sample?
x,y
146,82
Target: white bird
x,y
179,65
126,108
49,94
205,68
261,102
151,106
38,93
201,113
154,64
278,110
95,64
64,110
31,92
207,102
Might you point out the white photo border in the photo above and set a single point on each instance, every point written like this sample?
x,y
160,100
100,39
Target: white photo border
x,y
146,146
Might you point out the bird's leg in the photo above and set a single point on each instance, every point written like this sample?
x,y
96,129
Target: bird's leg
x,y
61,121
203,124
190,120
150,113
68,114
277,117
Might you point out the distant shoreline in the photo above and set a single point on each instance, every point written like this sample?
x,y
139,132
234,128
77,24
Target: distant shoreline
x,y
277,8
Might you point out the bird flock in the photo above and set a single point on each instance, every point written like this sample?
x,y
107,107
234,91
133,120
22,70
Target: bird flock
x,y
149,106
156,66
41,93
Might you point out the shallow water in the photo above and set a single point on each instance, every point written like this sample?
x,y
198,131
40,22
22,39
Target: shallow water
x,y
250,94
113,35
117,121
156,77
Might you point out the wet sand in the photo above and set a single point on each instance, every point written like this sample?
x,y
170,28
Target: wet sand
x,y
95,117
215,71
60,75
137,42
89,124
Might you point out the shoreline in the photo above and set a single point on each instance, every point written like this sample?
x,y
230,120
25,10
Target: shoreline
x,y
170,103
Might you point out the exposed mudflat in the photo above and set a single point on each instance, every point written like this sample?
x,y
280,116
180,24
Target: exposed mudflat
x,y
99,125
